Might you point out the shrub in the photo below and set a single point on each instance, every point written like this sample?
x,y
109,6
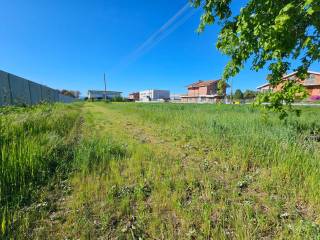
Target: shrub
x,y
315,98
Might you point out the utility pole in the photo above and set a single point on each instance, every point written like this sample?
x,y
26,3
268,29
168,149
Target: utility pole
x,y
105,87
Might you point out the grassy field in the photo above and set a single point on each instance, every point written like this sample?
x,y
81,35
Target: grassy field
x,y
36,145
159,171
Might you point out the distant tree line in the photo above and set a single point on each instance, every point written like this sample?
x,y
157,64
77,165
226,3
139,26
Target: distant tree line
x,y
70,93
246,95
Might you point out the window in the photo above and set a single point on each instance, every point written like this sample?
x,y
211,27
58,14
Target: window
x,y
310,80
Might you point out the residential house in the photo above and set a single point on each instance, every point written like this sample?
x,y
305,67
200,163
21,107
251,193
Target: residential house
x,y
135,96
264,88
154,95
96,94
204,92
311,83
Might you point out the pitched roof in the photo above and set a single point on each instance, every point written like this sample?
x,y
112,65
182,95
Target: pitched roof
x,y
294,73
203,83
287,76
264,85
101,92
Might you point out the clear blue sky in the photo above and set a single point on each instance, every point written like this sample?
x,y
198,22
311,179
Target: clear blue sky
x,y
70,44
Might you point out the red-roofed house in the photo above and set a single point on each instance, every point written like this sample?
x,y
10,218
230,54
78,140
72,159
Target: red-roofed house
x,y
135,96
203,92
311,83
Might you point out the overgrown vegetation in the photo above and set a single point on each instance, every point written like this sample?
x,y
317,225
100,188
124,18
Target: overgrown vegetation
x,y
170,171
35,143
162,171
269,34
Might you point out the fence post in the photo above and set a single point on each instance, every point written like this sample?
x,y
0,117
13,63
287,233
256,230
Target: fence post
x,y
29,92
41,95
10,89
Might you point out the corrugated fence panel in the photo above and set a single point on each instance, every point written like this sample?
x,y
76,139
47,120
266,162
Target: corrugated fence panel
x,y
15,90
35,92
61,97
5,94
53,95
66,99
19,90
56,96
48,94
44,93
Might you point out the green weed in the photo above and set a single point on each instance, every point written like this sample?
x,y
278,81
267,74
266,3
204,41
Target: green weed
x,y
34,143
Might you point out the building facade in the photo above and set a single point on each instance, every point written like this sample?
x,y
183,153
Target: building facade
x,y
204,92
96,94
311,83
175,97
135,96
154,95
264,88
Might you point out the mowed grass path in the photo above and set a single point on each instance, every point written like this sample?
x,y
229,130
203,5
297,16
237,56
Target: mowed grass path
x,y
158,171
166,171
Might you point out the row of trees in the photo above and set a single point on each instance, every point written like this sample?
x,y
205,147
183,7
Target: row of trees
x,y
246,95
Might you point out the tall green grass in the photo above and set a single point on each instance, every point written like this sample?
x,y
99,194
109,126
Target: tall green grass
x,y
245,137
197,172
34,143
166,171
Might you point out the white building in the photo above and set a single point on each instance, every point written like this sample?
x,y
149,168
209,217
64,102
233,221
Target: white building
x,y
154,95
175,97
95,94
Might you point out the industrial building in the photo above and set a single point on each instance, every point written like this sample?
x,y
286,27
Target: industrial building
x,y
97,94
175,97
154,95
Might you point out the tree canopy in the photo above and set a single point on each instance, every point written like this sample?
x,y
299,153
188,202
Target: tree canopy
x,y
238,95
70,93
267,33
249,94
